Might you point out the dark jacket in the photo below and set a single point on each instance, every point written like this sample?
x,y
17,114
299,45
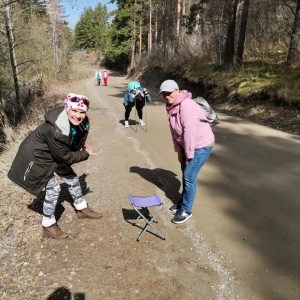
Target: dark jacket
x,y
49,145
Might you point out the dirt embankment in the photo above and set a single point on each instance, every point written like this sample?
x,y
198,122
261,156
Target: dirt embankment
x,y
260,108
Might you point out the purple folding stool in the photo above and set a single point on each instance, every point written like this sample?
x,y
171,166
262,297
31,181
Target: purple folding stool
x,y
141,204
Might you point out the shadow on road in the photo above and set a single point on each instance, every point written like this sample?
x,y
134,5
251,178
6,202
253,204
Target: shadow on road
x,y
164,179
256,183
65,294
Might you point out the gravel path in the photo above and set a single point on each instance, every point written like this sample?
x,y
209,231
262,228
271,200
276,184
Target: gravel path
x,y
102,259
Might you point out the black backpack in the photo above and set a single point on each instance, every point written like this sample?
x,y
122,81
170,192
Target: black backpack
x,y
139,97
210,114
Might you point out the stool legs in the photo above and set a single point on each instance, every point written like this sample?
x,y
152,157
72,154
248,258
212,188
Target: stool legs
x,y
148,222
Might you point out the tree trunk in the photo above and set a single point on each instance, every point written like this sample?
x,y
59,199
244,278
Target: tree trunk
x,y
229,44
164,29
12,53
177,38
132,60
141,33
55,16
155,44
242,35
293,49
150,28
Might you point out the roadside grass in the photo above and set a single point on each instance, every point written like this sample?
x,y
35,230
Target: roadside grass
x,y
262,92
252,78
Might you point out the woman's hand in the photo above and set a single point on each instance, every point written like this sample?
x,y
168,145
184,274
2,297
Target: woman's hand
x,y
181,157
90,151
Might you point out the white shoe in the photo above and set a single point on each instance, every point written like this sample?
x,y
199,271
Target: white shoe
x,y
142,123
126,124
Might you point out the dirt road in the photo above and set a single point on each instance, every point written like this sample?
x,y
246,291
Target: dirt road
x,y
241,243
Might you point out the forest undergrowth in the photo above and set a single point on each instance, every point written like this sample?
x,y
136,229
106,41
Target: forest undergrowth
x,y
262,105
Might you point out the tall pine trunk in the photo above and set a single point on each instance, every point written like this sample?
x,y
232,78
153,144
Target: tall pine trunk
x,y
12,53
229,44
242,35
150,28
293,49
132,60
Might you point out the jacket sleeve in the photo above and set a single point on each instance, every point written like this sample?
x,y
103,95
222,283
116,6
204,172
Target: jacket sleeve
x,y
177,146
189,118
148,98
128,99
125,102
60,150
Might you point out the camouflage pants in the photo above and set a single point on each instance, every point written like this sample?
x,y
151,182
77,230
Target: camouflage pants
x,y
52,193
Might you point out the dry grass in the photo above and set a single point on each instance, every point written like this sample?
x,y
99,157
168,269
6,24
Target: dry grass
x,y
83,70
14,212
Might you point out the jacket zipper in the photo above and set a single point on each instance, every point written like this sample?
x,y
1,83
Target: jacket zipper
x,y
28,169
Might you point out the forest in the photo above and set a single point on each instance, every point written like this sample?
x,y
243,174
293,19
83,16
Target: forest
x,y
229,49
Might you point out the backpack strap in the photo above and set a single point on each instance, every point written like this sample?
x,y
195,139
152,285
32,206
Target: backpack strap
x,y
200,120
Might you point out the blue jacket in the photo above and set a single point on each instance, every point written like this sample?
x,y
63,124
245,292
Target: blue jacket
x,y
129,98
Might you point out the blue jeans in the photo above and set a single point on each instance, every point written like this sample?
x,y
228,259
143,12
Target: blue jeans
x,y
189,177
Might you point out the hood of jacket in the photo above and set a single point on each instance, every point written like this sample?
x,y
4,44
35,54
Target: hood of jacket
x,y
58,117
183,95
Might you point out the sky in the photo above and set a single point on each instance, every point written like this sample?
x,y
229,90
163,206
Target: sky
x,y
74,8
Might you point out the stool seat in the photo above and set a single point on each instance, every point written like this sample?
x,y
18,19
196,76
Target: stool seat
x,y
143,203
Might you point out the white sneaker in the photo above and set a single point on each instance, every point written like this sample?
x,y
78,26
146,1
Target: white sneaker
x,y
142,123
126,124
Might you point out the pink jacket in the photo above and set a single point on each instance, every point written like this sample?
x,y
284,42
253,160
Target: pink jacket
x,y
105,74
187,131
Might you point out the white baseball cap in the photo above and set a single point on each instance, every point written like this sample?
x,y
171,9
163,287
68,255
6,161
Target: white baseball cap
x,y
168,86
